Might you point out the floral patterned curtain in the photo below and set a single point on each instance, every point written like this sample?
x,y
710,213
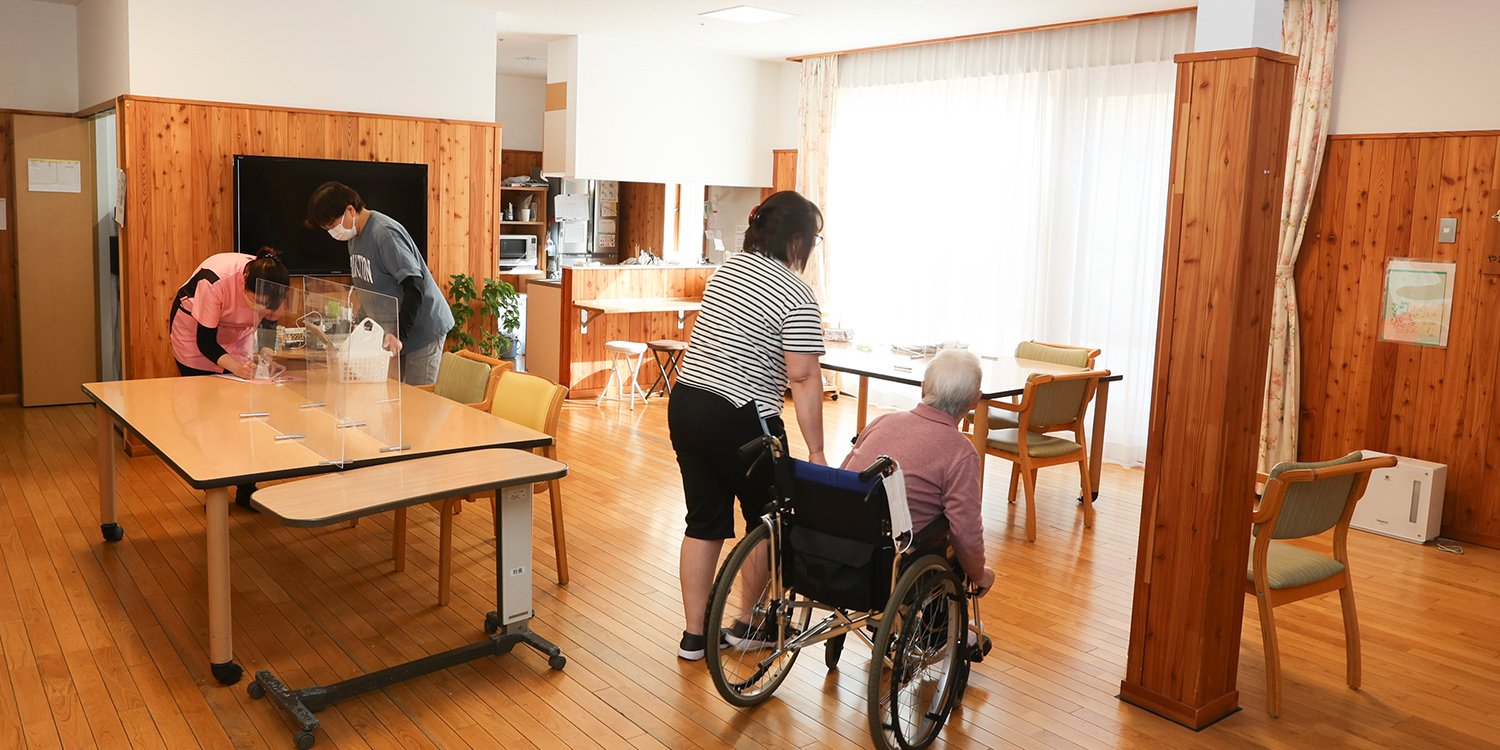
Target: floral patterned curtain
x,y
819,92
1310,31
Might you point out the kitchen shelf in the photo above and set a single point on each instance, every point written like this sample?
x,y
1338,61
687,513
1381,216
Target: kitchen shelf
x,y
532,189
525,223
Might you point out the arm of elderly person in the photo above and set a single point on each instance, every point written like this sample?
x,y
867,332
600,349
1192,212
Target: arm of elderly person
x,y
962,508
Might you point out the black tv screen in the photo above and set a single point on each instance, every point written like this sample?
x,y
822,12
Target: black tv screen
x,y
270,206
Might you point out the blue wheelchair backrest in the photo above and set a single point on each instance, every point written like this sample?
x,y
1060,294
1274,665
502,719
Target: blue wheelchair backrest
x,y
835,502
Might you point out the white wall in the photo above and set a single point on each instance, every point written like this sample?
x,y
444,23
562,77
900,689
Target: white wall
x,y
519,103
1404,66
103,51
1238,24
402,57
38,56
651,114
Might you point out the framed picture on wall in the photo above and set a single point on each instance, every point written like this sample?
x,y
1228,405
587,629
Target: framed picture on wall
x,y
1417,304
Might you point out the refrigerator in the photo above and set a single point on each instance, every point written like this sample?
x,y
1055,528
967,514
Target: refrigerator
x,y
585,214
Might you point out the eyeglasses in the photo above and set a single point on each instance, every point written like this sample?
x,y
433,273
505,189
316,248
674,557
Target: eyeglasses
x,y
817,240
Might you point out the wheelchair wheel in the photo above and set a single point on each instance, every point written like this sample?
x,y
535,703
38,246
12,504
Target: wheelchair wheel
x,y
751,667
918,660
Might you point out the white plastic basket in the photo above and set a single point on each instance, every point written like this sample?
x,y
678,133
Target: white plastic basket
x,y
370,369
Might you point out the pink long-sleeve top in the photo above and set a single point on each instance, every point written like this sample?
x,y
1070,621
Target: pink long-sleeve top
x,y
942,474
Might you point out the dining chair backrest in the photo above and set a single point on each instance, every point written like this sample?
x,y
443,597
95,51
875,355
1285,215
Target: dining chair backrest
x,y
1058,399
1312,507
1071,356
531,401
462,379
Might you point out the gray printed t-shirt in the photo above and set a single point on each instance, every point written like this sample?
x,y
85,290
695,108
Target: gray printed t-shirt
x,y
384,255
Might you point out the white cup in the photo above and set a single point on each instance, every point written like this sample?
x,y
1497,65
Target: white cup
x,y
525,214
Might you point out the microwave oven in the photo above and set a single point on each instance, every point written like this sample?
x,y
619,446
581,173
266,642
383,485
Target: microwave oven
x,y
517,250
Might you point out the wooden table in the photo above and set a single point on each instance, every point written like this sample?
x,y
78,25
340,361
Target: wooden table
x,y
195,425
330,499
593,308
1004,377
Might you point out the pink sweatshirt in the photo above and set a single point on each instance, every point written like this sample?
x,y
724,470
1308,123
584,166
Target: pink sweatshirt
x,y
942,474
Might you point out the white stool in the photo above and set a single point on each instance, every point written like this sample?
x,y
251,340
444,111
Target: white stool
x,y
626,350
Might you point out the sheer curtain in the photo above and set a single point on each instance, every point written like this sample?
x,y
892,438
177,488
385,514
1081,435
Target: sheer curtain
x,y
1009,188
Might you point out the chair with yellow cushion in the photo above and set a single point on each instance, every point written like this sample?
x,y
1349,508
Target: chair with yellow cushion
x,y
1303,500
1048,401
530,401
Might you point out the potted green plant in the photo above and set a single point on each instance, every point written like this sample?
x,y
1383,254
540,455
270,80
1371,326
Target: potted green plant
x,y
493,303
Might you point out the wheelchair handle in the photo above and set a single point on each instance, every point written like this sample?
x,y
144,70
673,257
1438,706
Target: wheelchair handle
x,y
881,466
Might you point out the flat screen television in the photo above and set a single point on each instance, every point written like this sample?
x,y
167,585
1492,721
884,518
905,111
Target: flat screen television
x,y
270,206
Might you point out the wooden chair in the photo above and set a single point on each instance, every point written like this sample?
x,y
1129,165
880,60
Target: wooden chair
x,y
1302,500
530,401
1047,402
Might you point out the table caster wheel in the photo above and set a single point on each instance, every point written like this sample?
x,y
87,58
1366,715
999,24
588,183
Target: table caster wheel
x,y
255,690
227,673
112,532
835,397
305,739
557,662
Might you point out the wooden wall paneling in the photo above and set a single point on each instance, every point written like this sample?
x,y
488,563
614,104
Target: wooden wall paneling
x,y
642,220
10,325
178,162
1316,275
1228,163
585,367
1429,403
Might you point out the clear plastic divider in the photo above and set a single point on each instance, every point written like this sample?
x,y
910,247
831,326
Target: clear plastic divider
x,y
366,364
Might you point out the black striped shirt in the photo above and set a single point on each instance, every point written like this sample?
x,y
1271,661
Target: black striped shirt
x,y
754,310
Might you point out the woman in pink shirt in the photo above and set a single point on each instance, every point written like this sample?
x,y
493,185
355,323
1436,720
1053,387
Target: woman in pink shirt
x,y
215,315
216,312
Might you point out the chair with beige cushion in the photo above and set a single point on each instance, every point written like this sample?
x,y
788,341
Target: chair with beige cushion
x,y
1048,401
1303,500
468,378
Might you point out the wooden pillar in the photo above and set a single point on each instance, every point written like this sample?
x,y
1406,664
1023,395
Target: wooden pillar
x,y
1224,208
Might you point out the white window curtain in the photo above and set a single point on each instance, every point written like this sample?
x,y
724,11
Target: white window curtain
x,y
1009,188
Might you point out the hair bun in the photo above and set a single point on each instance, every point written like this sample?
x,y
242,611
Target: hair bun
x,y
267,252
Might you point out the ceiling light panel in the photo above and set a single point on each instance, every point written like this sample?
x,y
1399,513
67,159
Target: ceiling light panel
x,y
747,14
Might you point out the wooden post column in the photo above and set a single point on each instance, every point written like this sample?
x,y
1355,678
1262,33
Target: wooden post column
x,y
1224,208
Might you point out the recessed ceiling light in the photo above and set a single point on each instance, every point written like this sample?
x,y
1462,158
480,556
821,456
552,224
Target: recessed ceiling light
x,y
529,58
747,14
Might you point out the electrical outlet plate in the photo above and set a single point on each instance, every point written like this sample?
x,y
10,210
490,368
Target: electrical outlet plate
x,y
1448,231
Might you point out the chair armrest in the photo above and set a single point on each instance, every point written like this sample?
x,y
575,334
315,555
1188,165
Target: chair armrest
x,y
428,388
1261,477
1005,406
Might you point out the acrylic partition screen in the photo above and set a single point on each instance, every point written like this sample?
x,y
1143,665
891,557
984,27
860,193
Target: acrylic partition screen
x,y
340,396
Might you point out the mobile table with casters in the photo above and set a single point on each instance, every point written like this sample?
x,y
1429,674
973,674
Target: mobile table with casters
x,y
335,498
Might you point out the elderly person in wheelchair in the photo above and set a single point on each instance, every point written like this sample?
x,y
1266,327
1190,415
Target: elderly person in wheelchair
x,y
840,552
938,461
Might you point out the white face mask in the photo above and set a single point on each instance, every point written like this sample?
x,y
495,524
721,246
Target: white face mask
x,y
339,232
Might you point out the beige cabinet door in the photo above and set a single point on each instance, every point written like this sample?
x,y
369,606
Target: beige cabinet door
x,y
55,258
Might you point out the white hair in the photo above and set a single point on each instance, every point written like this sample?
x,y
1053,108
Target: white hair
x,y
952,381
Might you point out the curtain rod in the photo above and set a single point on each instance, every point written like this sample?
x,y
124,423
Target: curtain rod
x,y
1044,27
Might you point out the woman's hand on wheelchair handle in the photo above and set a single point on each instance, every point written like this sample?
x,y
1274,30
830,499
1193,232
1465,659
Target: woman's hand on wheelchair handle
x,y
987,580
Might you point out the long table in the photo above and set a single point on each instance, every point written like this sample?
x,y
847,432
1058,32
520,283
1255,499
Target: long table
x,y
214,433
1004,377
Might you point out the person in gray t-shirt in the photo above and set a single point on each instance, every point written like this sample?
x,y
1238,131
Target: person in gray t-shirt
x,y
384,259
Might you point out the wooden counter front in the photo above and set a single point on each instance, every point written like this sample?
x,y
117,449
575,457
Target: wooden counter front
x,y
582,364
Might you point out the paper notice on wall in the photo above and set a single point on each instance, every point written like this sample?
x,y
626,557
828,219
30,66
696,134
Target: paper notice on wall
x,y
120,197
54,175
2,213
571,207
606,226
575,231
739,237
609,190
606,240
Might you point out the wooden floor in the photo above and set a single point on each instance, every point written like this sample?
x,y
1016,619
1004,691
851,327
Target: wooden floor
x,y
104,644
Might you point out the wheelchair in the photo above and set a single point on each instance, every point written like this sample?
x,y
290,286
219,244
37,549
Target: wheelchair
x,y
827,547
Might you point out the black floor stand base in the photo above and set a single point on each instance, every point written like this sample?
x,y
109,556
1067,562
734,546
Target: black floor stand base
x,y
302,704
228,673
1093,496
112,532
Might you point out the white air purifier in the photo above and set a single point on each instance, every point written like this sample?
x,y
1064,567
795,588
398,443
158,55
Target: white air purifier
x,y
1404,501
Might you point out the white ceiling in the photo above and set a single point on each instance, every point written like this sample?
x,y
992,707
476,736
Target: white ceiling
x,y
821,25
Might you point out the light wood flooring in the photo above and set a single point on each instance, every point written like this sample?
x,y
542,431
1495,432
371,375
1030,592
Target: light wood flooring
x,y
104,645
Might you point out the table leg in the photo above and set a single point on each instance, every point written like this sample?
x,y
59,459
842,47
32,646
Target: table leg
x,y
862,408
980,435
220,626
513,557
109,519
1096,437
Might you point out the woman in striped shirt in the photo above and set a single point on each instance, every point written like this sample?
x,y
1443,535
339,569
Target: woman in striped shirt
x,y
758,333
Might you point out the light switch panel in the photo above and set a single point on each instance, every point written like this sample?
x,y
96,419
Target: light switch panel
x,y
1448,230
